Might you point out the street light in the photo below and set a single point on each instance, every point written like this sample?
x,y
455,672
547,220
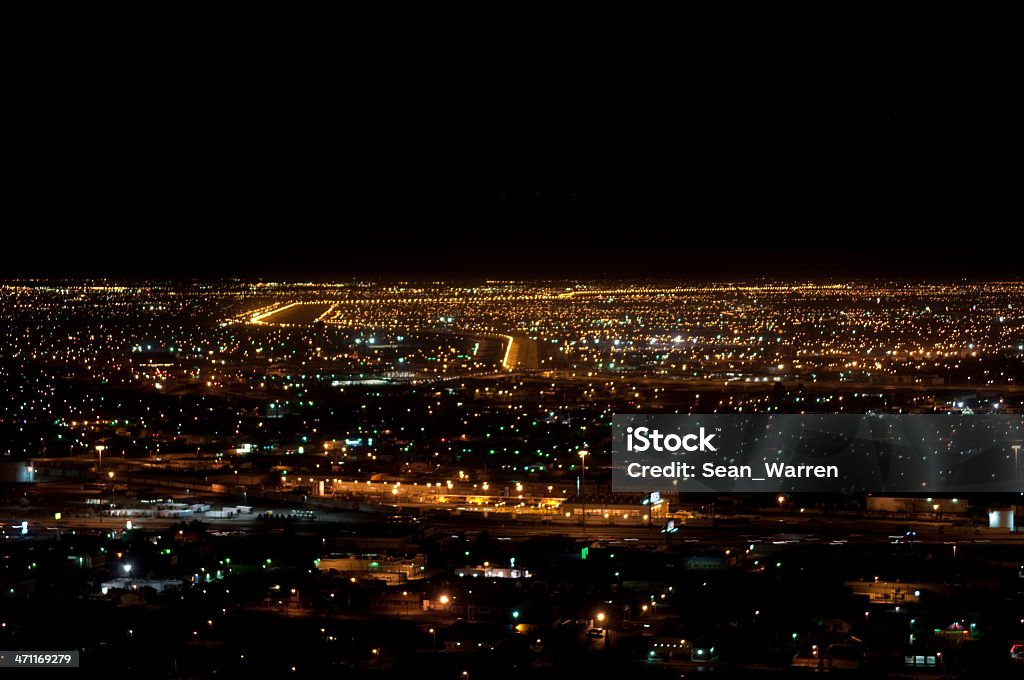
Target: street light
x,y
1016,453
583,482
100,448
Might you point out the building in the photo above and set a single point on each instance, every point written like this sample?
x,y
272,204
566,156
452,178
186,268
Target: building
x,y
617,508
392,570
914,505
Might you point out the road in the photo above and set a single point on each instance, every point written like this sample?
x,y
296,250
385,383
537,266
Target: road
x,y
803,530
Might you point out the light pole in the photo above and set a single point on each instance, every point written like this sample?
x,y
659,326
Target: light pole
x,y
583,483
1016,453
100,448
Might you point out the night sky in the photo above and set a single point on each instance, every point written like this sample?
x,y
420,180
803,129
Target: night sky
x,y
742,153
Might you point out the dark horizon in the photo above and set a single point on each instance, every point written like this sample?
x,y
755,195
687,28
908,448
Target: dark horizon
x,y
374,262
533,275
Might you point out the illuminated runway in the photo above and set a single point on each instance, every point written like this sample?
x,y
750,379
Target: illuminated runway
x,y
298,313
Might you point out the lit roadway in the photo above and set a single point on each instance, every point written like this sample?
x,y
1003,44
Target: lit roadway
x,y
580,376
768,527
767,531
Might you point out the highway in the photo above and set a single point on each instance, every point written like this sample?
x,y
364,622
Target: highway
x,y
776,527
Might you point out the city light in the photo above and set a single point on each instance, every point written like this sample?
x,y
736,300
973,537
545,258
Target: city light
x,y
441,453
